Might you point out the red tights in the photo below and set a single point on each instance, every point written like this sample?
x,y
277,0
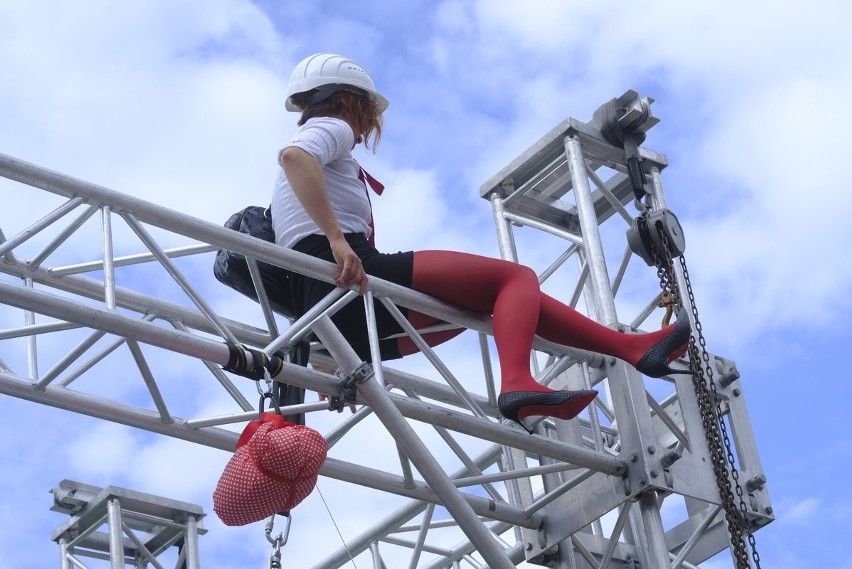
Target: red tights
x,y
510,293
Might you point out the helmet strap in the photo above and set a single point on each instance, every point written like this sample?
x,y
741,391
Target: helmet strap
x,y
330,89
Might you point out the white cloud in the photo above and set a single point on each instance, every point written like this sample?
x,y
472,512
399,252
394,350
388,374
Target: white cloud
x,y
181,105
803,511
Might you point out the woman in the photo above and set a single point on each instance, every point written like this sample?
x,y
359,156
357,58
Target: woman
x,y
321,207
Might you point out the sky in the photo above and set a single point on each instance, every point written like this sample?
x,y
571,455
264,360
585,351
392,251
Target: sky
x,y
181,103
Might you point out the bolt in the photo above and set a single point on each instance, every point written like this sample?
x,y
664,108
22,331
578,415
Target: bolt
x,y
652,449
768,510
643,481
653,474
528,546
756,483
669,458
736,392
634,458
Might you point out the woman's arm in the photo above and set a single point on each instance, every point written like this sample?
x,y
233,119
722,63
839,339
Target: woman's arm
x,y
304,174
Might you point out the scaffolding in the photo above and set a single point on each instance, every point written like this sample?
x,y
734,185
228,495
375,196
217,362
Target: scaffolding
x,y
585,493
124,526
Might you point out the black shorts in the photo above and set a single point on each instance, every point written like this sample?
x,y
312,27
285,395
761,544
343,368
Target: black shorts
x,y
351,320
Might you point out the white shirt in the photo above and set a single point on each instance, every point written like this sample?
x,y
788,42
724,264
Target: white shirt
x,y
330,141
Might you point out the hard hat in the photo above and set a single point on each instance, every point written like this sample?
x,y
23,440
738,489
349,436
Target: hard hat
x,y
323,69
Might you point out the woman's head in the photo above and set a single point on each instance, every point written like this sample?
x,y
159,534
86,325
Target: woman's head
x,y
350,104
325,84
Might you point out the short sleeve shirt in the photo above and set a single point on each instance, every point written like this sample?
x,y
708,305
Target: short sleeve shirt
x,y
330,141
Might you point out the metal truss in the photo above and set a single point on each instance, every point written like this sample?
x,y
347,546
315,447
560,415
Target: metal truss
x,y
138,527
585,493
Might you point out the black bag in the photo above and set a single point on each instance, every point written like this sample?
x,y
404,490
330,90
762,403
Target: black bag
x,y
232,270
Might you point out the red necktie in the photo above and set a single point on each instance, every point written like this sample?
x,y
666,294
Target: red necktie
x,y
377,187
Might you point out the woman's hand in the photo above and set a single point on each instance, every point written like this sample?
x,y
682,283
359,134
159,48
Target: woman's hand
x,y
351,269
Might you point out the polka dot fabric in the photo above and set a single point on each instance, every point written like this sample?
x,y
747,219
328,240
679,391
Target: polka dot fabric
x,y
274,468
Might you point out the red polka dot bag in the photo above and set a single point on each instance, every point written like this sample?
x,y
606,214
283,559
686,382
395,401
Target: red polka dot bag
x,y
274,468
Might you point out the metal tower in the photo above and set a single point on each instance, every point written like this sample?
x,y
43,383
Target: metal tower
x,y
139,527
629,484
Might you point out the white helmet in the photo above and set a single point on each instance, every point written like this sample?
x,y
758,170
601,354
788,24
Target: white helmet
x,y
323,69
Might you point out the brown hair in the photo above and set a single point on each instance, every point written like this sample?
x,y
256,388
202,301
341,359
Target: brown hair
x,y
350,105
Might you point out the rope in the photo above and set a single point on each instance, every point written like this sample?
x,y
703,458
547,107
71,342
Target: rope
x,y
340,535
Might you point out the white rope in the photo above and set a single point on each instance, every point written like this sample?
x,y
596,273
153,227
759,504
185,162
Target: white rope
x,y
335,526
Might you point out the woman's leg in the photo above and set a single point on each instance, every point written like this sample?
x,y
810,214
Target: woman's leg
x,y
507,291
510,292
406,345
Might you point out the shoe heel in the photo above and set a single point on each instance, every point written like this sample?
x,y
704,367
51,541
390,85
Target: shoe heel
x,y
655,361
517,405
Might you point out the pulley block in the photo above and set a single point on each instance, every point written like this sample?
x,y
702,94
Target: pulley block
x,y
654,232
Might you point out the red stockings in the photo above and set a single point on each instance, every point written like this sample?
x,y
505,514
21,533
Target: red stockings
x,y
510,293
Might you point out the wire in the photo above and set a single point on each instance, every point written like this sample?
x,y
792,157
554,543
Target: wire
x,y
335,526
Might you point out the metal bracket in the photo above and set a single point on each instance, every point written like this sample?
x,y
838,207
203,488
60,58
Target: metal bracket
x,y
348,392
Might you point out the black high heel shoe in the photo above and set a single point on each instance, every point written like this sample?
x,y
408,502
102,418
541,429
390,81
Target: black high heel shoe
x,y
655,362
515,405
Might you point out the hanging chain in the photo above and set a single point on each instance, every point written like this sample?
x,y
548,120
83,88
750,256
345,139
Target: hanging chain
x,y
712,417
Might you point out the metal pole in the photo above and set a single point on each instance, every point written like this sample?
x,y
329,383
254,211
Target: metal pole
x,y
64,563
193,561
633,391
116,545
416,450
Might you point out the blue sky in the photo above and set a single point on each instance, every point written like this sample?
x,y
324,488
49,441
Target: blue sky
x,y
181,103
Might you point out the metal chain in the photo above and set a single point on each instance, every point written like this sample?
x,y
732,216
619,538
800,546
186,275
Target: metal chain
x,y
712,417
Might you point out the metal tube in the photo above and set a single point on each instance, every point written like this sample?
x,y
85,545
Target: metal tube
x,y
36,329
128,260
109,270
193,559
519,473
421,536
63,554
301,327
530,222
86,365
140,547
607,193
505,239
543,173
116,543
35,228
251,415
150,382
487,369
175,273
630,395
262,297
109,321
546,499
377,557
32,343
464,423
620,522
373,336
690,544
557,263
220,376
62,237
595,258
416,450
434,359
